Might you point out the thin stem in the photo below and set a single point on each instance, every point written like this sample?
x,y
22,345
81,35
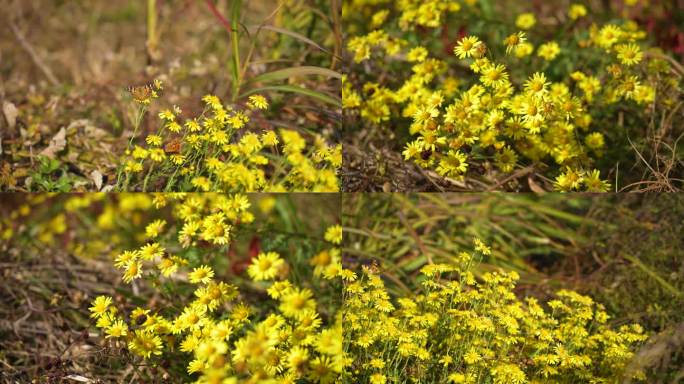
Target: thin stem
x,y
232,28
235,41
219,16
136,126
147,178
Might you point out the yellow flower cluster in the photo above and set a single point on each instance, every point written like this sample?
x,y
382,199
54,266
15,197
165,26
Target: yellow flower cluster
x,y
199,224
461,329
291,339
215,152
495,114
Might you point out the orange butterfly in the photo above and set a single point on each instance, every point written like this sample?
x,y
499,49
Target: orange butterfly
x,y
173,146
141,92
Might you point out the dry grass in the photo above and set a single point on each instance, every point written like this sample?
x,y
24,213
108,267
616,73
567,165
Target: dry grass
x,y
44,332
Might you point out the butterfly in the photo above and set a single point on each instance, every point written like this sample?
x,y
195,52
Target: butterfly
x,y
173,146
141,93
374,267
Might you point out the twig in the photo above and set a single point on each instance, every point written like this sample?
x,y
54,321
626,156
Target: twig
x,y
429,178
219,16
658,175
517,174
432,174
34,56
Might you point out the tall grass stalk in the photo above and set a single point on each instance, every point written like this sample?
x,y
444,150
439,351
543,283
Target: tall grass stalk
x,y
152,33
236,6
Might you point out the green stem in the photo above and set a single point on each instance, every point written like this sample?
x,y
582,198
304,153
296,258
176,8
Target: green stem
x,y
235,41
147,177
138,121
169,183
136,126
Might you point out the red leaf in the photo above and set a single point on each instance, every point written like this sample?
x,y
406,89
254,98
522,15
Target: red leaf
x,y
254,247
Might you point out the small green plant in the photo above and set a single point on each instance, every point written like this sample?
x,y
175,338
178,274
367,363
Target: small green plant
x,y
51,176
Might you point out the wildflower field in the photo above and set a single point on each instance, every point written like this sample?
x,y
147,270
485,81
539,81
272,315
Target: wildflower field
x,y
170,96
489,288
215,288
342,191
513,95
171,288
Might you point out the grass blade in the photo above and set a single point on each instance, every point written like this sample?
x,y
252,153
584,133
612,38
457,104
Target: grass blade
x,y
287,73
295,35
654,275
295,89
236,5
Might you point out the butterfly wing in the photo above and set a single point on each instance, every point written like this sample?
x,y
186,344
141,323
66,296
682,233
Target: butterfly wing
x,y
173,146
140,92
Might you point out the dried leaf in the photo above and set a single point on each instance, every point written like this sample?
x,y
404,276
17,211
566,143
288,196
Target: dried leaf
x,y
89,129
79,378
95,132
534,187
57,144
96,177
6,177
11,112
20,172
312,117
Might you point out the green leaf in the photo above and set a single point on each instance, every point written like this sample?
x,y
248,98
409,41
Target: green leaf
x,y
295,89
256,28
287,73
